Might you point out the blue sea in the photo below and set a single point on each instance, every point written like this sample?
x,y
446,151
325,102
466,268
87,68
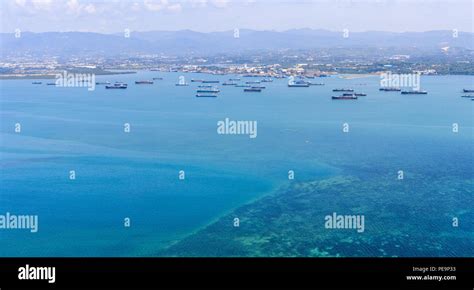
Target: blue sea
x,y
135,175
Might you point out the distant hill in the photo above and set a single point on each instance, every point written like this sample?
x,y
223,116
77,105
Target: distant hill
x,y
190,42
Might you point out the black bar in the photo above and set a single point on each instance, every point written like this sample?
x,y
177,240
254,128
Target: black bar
x,y
219,273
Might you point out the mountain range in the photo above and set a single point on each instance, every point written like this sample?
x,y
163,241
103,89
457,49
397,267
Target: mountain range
x,y
186,42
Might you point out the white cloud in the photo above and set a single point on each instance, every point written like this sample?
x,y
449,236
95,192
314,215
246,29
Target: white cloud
x,y
90,8
198,3
159,5
73,5
41,4
155,5
220,3
20,3
204,3
175,7
135,6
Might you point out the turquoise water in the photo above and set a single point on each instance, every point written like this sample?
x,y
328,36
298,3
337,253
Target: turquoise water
x,y
135,174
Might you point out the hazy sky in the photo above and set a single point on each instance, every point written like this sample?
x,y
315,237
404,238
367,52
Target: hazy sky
x,y
217,15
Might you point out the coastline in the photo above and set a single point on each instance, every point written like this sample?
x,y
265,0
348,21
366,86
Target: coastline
x,y
53,76
346,76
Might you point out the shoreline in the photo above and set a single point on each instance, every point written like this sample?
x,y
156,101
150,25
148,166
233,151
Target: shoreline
x,y
348,76
53,76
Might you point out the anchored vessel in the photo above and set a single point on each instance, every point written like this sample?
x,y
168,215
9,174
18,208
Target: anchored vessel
x,y
468,90
414,92
36,83
252,90
207,95
117,86
390,89
298,84
210,82
345,97
343,90
212,90
143,82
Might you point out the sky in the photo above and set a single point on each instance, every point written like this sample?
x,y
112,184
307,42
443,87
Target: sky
x,y
112,16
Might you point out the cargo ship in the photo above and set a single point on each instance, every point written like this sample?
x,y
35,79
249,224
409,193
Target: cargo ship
x,y
467,90
467,96
414,92
298,84
206,96
253,90
345,97
143,82
242,86
196,81
210,82
343,90
50,84
102,83
359,94
390,89
117,86
213,91
229,84
36,83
